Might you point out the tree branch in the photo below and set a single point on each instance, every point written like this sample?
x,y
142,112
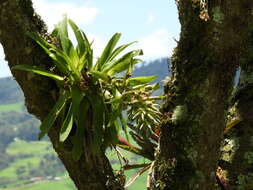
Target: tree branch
x,y
17,18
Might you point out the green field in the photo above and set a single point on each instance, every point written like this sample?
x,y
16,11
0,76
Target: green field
x,y
33,152
35,148
47,185
18,107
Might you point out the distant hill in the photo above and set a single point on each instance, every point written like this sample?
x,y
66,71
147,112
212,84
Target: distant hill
x,y
10,92
158,67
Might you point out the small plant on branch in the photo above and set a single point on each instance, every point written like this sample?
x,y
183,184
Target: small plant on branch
x,y
92,96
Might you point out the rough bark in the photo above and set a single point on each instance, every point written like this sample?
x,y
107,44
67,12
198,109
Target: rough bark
x,y
17,17
237,155
203,67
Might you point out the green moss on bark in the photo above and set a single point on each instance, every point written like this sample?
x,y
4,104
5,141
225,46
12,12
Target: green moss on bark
x,y
198,97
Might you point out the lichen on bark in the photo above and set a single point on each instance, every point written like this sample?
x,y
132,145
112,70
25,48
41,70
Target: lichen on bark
x,y
202,81
240,166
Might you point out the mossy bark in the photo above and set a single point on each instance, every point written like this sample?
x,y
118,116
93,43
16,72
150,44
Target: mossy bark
x,y
237,149
203,67
237,156
17,17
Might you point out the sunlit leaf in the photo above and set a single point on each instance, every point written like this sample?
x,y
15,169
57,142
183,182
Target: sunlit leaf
x,y
141,80
74,58
89,51
122,63
39,71
79,37
63,35
118,50
82,62
100,75
107,51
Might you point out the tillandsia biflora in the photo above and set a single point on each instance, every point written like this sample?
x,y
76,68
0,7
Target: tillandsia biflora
x,y
98,91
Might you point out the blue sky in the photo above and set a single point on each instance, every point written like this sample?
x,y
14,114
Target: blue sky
x,y
154,24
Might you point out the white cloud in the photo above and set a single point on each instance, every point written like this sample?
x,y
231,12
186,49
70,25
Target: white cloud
x,y
52,12
160,43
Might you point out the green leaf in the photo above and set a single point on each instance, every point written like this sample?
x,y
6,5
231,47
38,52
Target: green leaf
x,y
55,32
63,35
39,71
73,55
123,63
86,41
53,114
67,125
118,50
117,98
73,64
39,40
113,127
53,52
79,37
156,86
114,100
100,75
107,51
123,66
79,138
77,96
89,51
141,80
62,61
82,62
90,59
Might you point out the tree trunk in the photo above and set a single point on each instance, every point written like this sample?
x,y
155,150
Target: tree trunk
x,y
17,17
203,67
237,154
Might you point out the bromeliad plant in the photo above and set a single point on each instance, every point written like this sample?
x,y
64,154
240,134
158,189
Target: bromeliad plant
x,y
93,96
